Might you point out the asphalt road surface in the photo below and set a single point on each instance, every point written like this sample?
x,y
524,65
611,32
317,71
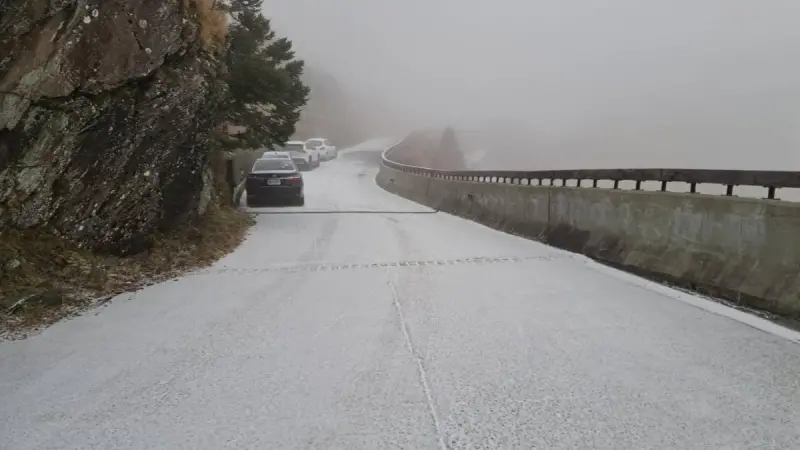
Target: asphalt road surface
x,y
364,321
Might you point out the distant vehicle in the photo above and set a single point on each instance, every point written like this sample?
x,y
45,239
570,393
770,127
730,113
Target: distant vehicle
x,y
274,179
326,149
305,157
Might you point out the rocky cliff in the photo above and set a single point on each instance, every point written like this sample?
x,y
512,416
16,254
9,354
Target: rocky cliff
x,y
104,112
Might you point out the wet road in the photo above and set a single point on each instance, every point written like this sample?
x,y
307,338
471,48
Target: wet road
x,y
369,322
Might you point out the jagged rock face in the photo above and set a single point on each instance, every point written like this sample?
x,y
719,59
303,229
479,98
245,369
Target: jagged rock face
x,y
104,110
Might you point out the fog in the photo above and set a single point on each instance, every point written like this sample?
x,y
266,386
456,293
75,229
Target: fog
x,y
572,83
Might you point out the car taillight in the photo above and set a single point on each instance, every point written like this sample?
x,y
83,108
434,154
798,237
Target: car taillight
x,y
292,180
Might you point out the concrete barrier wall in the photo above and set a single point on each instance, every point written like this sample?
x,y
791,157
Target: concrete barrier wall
x,y
744,250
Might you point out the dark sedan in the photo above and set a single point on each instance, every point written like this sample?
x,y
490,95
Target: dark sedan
x,y
274,180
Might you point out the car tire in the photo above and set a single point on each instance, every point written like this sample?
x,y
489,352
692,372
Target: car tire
x,y
300,201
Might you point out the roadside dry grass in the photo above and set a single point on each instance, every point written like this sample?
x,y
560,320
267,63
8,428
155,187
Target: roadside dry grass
x,y
212,21
44,278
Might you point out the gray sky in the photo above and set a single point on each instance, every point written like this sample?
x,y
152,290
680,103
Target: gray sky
x,y
711,83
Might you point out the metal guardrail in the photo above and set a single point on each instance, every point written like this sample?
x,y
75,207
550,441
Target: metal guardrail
x,y
771,180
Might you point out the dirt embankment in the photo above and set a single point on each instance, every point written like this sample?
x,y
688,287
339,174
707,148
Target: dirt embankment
x,y
45,278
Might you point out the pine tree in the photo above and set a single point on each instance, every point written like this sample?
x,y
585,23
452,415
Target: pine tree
x,y
266,93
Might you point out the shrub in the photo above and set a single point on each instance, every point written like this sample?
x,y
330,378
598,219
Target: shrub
x,y
212,20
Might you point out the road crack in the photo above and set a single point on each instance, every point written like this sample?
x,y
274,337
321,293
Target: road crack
x,y
421,372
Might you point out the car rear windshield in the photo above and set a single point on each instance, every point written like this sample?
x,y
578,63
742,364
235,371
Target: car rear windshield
x,y
271,155
294,147
314,144
273,164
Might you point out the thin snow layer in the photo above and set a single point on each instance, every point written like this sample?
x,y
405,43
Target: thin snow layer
x,y
398,328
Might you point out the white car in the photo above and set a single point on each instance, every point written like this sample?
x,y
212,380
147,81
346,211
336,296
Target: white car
x,y
302,155
326,149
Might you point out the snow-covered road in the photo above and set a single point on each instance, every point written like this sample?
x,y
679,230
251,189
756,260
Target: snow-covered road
x,y
370,322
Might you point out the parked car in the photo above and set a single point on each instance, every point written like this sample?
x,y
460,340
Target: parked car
x,y
305,157
316,144
326,149
274,179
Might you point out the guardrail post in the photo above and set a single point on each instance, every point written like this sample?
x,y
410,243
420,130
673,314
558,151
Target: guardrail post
x,y
594,183
771,192
616,184
663,186
729,190
693,187
638,185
